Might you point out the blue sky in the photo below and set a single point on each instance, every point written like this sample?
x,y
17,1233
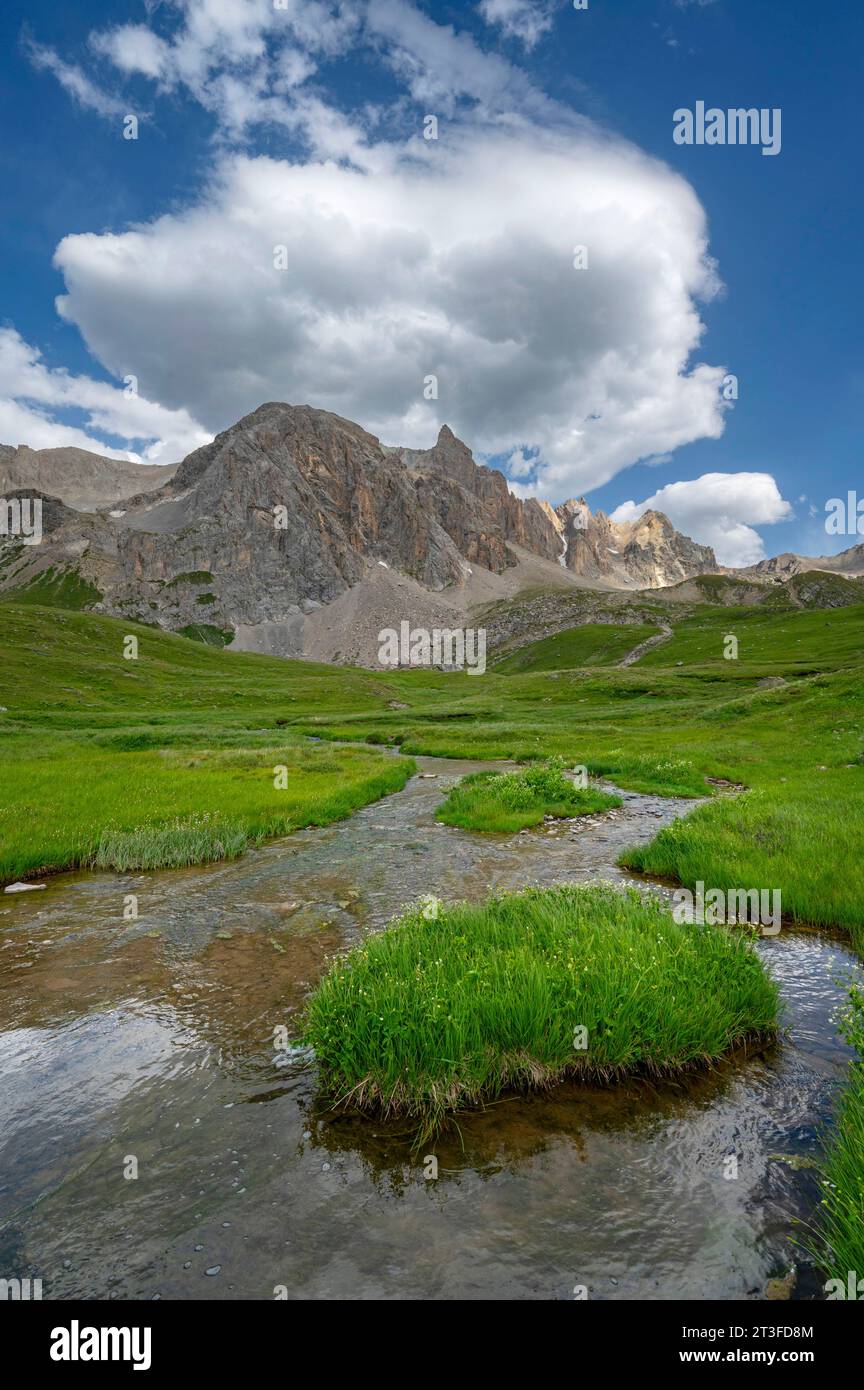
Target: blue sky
x,y
303,128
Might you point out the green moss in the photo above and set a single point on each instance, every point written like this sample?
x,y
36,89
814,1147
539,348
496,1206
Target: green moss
x,y
190,577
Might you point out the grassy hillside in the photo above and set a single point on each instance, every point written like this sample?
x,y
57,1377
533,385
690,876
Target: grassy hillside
x,y
593,644
797,743
165,760
56,661
770,642
789,642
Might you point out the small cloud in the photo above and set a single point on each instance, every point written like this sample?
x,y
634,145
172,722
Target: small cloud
x,y
73,80
134,48
525,20
717,509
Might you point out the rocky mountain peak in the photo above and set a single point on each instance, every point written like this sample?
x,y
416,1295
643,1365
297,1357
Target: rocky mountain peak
x,y
292,507
644,554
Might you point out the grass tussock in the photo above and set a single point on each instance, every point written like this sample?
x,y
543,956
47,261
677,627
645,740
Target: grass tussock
x,y
200,840
843,1202
494,801
433,1015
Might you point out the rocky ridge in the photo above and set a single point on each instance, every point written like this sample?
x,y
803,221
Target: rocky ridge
x,y
260,536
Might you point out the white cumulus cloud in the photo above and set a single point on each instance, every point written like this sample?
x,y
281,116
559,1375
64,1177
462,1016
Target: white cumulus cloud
x,y
452,259
720,510
401,259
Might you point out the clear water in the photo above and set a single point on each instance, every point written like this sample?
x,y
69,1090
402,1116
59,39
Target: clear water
x,y
153,1039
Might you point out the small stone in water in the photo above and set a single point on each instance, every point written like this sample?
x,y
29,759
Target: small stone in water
x,y
780,1289
214,1269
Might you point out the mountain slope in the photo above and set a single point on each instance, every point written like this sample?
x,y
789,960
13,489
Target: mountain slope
x,y
260,537
83,480
849,562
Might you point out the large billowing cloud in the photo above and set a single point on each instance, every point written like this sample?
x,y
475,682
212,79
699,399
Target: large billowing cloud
x,y
719,509
453,259
405,259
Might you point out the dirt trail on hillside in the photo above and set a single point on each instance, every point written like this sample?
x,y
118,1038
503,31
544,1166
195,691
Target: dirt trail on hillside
x,y
656,641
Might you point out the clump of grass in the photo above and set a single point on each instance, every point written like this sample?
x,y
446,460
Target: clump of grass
x,y
843,1203
200,839
432,1015
190,577
793,841
668,776
506,801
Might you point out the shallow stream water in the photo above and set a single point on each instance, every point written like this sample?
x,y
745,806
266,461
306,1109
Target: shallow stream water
x,y
152,1040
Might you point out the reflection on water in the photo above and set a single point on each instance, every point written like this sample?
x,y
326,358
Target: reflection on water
x,y
152,1039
